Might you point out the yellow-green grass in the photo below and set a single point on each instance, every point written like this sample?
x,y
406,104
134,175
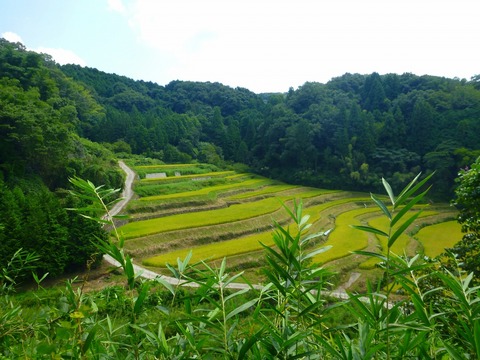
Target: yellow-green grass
x,y
344,239
238,246
401,244
436,238
191,176
264,191
214,251
210,189
166,166
171,169
305,194
205,218
201,218
239,175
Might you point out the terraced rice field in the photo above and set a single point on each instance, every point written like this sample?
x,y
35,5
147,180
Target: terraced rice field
x,y
217,214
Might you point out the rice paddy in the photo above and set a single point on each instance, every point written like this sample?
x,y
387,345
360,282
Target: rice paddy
x,y
435,238
228,214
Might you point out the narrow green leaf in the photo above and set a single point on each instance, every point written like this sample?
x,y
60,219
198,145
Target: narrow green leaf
x,y
452,351
166,284
223,266
140,299
381,205
289,212
407,207
406,189
402,228
466,282
233,278
162,337
304,220
420,307
236,293
369,229
406,193
241,308
89,339
129,272
316,252
371,254
247,345
388,188
311,308
476,334
307,238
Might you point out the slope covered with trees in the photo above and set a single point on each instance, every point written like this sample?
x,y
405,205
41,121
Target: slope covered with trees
x,y
349,132
41,115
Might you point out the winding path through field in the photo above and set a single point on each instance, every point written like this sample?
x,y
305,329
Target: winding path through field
x,y
127,195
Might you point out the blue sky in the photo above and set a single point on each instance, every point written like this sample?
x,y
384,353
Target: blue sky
x,y
262,45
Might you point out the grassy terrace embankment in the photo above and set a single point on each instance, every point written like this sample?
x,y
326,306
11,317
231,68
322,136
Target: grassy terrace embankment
x,y
240,245
218,214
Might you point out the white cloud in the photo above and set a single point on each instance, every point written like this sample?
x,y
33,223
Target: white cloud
x,y
280,43
117,6
12,37
62,56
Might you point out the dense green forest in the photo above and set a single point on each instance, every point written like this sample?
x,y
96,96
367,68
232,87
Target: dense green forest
x,y
347,133
41,112
64,121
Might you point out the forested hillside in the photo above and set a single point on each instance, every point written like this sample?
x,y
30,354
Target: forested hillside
x,y
41,114
62,121
347,133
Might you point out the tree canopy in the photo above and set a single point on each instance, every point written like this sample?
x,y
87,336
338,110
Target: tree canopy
x,y
467,200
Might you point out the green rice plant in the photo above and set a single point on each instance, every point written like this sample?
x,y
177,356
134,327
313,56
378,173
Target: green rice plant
x,y
344,239
201,218
210,190
214,251
267,190
239,176
171,169
306,194
147,189
165,166
242,245
438,237
192,176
